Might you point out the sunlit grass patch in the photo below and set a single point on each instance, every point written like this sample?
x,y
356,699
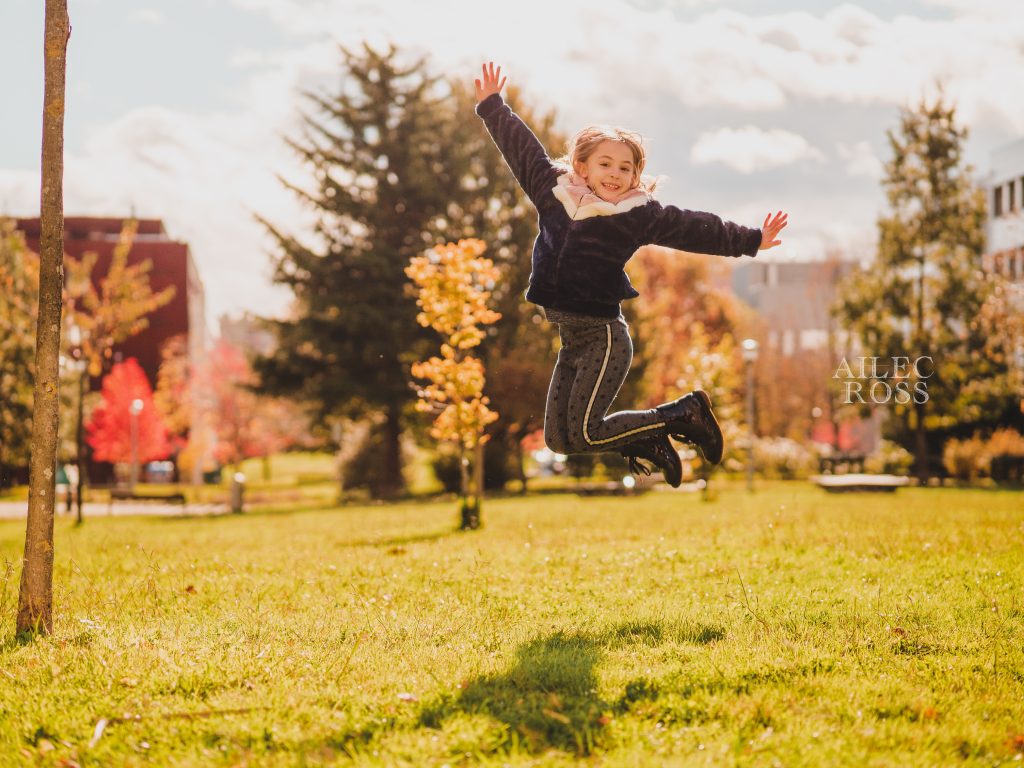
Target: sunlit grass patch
x,y
785,626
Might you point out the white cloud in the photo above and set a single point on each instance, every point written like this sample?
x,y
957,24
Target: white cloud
x,y
148,16
992,8
722,58
612,61
860,160
752,149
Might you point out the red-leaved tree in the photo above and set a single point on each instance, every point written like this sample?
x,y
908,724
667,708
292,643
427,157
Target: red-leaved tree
x,y
110,429
246,424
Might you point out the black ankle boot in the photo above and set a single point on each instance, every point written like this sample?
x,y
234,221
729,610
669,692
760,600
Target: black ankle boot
x,y
690,418
660,452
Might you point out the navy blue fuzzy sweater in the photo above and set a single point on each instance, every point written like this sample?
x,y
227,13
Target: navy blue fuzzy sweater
x,y
581,250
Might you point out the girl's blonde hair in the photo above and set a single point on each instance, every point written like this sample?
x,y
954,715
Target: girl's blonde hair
x,y
586,141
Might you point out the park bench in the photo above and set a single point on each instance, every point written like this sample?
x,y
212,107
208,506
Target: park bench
x,y
860,482
841,463
125,494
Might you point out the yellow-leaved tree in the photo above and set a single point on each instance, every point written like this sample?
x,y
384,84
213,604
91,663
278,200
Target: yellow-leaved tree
x,y
454,284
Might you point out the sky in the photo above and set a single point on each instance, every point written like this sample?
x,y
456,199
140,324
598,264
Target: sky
x,y
179,110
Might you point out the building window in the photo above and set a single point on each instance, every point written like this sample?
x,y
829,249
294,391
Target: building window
x,y
1011,202
813,339
788,343
997,201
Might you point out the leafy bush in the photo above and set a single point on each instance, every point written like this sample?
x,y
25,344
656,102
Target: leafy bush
x,y
1000,457
965,459
498,468
889,459
783,459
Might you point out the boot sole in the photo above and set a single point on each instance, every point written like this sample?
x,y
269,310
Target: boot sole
x,y
706,400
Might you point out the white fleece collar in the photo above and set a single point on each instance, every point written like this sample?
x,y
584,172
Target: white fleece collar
x,y
581,202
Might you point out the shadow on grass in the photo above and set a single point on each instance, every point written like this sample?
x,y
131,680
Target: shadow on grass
x,y
397,543
548,699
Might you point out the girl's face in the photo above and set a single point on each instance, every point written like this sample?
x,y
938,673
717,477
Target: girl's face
x,y
609,171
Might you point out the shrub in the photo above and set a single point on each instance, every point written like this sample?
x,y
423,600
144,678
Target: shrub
x,y
497,466
965,459
1000,457
784,459
889,459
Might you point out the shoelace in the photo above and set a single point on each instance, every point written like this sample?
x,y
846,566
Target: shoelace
x,y
636,468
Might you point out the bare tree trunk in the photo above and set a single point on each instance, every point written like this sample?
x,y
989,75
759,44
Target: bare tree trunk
x,y
521,465
478,483
920,444
391,484
35,602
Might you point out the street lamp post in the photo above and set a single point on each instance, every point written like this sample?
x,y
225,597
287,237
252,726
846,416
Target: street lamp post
x,y
79,367
136,409
749,358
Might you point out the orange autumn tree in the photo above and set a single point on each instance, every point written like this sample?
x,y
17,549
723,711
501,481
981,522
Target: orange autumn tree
x,y
454,283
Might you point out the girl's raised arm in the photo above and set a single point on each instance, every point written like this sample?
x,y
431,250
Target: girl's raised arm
x,y
700,232
523,152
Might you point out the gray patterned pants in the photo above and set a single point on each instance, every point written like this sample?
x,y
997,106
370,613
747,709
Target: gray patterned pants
x,y
592,364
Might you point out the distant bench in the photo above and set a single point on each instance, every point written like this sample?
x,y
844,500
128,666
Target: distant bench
x,y
123,494
860,482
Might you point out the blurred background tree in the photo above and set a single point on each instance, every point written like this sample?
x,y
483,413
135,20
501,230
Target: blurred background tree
x,y
19,281
924,291
379,149
399,163
114,432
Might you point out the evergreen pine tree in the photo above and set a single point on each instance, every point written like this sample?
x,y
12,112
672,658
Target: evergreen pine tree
x,y
380,150
921,295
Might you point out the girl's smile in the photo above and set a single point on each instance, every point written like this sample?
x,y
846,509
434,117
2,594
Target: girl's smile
x,y
609,171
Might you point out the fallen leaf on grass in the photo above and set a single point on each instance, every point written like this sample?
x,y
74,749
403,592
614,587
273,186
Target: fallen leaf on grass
x,y
190,590
103,722
556,716
97,732
408,697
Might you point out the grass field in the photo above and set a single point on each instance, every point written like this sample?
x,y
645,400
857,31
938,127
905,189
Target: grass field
x,y
788,627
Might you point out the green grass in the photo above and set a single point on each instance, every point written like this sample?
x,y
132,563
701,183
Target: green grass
x,y
788,627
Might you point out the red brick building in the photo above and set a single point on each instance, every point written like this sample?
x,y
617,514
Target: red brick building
x,y
172,266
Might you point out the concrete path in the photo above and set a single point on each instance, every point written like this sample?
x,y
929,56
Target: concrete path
x,y
14,510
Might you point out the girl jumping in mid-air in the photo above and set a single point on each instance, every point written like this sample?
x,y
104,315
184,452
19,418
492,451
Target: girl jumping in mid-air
x,y
594,213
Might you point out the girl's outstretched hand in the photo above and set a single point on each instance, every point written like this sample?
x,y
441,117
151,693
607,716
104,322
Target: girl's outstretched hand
x,y
770,230
490,83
